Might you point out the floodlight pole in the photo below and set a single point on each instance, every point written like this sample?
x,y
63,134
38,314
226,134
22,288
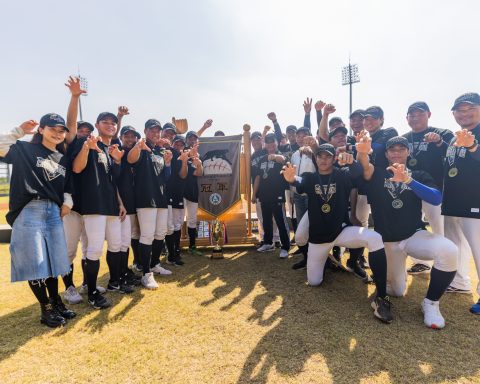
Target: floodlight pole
x,y
350,76
84,85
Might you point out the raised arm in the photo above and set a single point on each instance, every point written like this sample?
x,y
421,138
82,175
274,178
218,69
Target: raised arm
x,y
205,126
73,84
8,139
364,148
318,109
323,127
122,111
134,154
278,131
80,162
307,107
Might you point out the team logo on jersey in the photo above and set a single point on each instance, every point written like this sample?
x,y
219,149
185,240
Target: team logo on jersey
x,y
157,162
51,169
326,190
216,163
395,189
215,199
102,159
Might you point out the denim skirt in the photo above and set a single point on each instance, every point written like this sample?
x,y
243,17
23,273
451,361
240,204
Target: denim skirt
x,y
38,247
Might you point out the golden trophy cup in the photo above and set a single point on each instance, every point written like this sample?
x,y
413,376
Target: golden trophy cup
x,y
217,234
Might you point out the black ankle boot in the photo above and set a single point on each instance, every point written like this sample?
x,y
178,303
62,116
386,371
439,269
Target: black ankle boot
x,y
50,317
63,311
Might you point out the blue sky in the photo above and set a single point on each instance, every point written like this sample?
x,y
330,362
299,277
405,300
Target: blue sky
x,y
235,61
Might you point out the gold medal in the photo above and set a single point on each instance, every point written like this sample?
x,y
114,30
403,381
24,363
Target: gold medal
x,y
397,203
412,162
453,172
326,208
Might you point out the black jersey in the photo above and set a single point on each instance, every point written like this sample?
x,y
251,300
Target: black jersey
x,y
150,179
98,191
75,178
190,191
328,201
426,156
254,161
175,184
396,209
272,183
37,172
461,188
379,139
125,185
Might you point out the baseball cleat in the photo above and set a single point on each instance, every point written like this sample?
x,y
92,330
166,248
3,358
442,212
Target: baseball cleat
x,y
381,309
431,314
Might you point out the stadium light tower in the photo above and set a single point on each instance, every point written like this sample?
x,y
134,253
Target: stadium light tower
x,y
350,76
83,85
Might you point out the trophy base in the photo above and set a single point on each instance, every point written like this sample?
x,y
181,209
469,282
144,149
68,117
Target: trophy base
x,y
217,253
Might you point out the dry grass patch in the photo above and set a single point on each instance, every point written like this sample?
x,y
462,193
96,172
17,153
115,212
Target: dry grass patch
x,y
248,318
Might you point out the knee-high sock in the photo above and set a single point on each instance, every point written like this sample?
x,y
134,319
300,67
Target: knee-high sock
x,y
145,253
113,266
192,234
439,282
91,270
157,246
294,224
170,241
84,263
355,253
52,287
68,278
378,265
177,235
123,263
136,257
39,289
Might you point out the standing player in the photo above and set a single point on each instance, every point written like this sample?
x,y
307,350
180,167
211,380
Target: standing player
x,y
152,170
396,196
427,147
461,202
269,187
96,161
328,192
195,169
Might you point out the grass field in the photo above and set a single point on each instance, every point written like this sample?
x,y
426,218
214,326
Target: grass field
x,y
248,318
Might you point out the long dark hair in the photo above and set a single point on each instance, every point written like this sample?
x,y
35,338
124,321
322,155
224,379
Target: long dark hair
x,y
38,137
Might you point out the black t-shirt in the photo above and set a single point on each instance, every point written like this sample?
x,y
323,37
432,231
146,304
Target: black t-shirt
x,y
272,183
75,178
379,139
396,209
125,184
98,192
190,191
328,202
37,171
254,161
150,179
427,156
175,184
461,188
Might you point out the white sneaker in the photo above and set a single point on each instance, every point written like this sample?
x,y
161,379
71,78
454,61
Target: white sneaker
x,y
431,314
159,270
283,254
72,296
149,282
266,248
84,289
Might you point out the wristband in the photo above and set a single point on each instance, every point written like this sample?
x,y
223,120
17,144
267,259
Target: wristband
x,y
409,180
475,143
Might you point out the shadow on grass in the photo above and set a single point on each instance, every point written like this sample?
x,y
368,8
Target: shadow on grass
x,y
18,327
336,322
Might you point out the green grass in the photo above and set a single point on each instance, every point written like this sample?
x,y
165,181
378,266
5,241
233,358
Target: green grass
x,y
248,318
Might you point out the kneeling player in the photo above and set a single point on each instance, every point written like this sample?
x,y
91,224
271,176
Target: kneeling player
x,y
397,213
328,193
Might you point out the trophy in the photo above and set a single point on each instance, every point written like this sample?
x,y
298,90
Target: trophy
x,y
217,234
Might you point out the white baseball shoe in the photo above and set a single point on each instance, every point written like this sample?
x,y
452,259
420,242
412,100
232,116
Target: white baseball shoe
x,y
72,296
283,254
159,270
266,248
431,314
148,281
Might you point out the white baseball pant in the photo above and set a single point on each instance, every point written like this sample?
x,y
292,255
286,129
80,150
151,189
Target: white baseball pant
x,y
98,228
74,231
152,223
126,233
191,209
175,219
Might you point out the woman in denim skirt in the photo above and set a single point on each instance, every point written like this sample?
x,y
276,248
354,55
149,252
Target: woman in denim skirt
x,y
38,201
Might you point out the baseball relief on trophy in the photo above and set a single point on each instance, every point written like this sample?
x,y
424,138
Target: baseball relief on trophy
x,y
218,234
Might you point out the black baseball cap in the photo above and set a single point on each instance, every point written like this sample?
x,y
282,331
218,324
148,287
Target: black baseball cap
x,y
170,126
334,120
85,124
219,133
469,98
190,134
53,120
397,140
107,116
150,123
270,137
255,135
304,130
328,148
291,128
336,130
129,128
179,138
418,106
357,112
375,112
